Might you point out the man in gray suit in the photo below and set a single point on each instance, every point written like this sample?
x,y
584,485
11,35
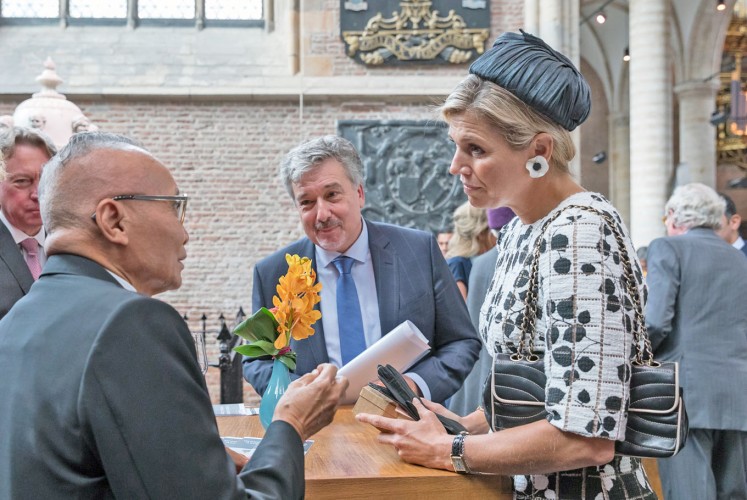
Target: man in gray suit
x,y
399,274
23,151
102,396
696,316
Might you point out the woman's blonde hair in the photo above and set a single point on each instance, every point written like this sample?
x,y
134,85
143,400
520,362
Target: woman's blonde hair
x,y
511,117
469,223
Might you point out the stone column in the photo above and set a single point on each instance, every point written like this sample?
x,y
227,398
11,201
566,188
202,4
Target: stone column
x,y
650,117
558,27
619,147
531,17
697,135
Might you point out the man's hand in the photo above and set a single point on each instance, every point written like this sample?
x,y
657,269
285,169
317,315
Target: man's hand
x,y
310,402
239,460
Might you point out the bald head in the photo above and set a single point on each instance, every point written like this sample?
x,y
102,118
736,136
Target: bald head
x,y
136,231
84,172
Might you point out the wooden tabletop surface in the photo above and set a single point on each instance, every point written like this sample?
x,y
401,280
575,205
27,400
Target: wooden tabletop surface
x,y
346,461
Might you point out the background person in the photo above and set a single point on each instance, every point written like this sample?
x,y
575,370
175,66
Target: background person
x,y
107,399
443,237
730,223
642,253
471,237
483,269
511,124
398,274
22,237
696,316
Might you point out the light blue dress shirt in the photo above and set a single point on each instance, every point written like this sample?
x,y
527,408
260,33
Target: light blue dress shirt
x,y
365,283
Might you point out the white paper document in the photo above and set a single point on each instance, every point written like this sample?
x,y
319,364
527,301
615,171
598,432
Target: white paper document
x,y
248,445
234,409
401,348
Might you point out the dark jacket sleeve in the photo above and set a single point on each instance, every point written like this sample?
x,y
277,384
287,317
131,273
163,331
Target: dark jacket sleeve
x,y
148,416
663,282
454,345
276,469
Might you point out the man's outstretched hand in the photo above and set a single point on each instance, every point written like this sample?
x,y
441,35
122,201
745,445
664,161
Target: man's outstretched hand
x,y
310,402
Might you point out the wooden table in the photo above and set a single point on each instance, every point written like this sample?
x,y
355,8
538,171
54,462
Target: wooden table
x,y
346,461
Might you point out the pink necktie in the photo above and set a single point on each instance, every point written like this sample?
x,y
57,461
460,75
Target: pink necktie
x,y
32,260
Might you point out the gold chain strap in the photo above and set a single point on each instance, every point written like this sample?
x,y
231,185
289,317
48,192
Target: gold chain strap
x,y
640,335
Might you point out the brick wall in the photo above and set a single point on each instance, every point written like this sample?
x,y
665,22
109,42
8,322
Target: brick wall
x,y
223,152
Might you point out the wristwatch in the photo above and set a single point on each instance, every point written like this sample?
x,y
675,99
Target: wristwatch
x,y
457,454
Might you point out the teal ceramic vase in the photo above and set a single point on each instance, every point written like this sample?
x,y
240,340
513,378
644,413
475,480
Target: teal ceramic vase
x,y
279,382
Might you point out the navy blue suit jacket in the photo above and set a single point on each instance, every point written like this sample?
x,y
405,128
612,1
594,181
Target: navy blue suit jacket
x,y
413,283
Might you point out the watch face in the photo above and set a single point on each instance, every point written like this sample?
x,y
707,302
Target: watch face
x,y
458,464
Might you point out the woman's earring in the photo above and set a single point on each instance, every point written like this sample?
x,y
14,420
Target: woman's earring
x,y
537,166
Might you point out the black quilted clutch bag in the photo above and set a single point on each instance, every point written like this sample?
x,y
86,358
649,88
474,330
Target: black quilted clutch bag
x,y
397,389
514,392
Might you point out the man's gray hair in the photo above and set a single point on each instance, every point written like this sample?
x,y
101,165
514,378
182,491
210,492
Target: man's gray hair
x,y
57,209
14,136
306,157
696,205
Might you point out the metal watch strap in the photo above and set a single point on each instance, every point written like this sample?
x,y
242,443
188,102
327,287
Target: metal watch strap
x,y
457,454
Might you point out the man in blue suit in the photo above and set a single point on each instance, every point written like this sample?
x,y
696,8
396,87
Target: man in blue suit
x,y
399,274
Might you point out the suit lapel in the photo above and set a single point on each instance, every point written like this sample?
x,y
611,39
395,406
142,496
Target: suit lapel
x,y
13,258
386,275
316,342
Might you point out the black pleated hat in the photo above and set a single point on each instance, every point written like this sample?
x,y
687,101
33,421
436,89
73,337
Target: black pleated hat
x,y
537,74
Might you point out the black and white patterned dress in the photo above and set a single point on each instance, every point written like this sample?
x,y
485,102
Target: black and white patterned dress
x,y
584,331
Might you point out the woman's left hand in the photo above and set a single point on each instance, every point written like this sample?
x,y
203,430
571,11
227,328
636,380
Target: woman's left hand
x,y
423,442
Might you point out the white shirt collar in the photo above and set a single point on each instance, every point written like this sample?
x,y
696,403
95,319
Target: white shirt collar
x,y
738,243
19,236
125,284
358,250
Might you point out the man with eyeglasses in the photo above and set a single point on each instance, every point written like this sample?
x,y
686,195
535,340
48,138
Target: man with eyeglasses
x,y
103,396
24,151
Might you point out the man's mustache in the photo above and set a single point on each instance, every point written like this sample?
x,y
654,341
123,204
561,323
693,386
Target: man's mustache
x,y
327,224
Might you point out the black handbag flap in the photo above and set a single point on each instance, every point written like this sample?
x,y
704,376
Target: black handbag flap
x,y
518,382
655,389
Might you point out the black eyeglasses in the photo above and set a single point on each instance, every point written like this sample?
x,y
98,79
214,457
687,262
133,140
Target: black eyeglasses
x,y
179,202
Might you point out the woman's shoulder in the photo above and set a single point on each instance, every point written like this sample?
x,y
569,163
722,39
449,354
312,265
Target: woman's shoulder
x,y
584,208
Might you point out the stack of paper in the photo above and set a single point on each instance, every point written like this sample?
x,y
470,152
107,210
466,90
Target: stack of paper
x,y
402,347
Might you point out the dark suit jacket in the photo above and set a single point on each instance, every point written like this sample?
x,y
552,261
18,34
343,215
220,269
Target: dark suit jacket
x,y
15,277
744,250
696,315
412,282
102,397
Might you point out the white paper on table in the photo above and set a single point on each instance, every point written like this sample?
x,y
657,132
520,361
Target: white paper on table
x,y
401,348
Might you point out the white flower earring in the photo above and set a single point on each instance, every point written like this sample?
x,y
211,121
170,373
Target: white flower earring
x,y
537,167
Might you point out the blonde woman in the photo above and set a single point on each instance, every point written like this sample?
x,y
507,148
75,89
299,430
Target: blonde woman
x,y
471,237
511,120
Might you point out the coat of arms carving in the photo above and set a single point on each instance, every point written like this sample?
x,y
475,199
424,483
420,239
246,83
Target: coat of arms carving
x,y
392,32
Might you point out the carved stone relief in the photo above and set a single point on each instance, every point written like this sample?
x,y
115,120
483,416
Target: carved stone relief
x,y
406,169
389,32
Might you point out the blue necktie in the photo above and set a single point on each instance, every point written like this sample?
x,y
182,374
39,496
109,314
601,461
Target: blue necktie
x,y
349,321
